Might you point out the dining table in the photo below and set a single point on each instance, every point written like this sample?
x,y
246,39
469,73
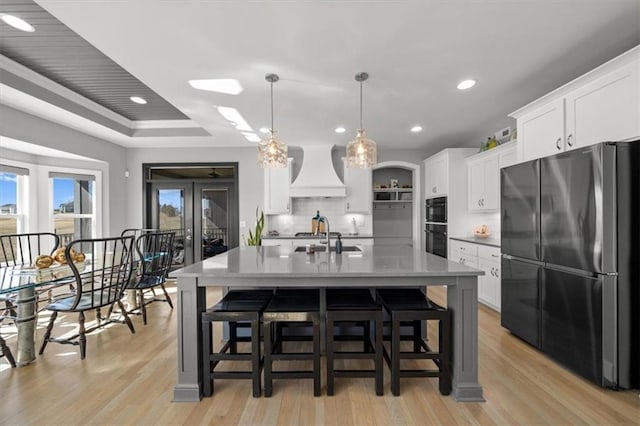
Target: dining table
x,y
285,266
18,285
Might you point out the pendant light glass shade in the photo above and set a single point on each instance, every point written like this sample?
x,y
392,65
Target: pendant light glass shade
x,y
362,152
272,152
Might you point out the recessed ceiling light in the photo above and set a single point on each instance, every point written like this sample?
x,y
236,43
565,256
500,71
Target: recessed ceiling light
x,y
416,129
264,130
229,86
466,84
138,100
340,129
17,23
233,116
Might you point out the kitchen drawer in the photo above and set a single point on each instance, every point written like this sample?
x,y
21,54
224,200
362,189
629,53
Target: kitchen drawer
x,y
489,253
466,260
459,247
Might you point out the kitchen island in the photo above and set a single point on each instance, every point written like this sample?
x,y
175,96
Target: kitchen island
x,y
373,266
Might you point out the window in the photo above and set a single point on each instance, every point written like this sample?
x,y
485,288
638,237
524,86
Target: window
x,y
73,205
13,182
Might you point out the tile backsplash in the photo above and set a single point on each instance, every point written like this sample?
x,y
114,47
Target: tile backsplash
x,y
303,209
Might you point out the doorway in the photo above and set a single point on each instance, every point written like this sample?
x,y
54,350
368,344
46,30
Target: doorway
x,y
199,202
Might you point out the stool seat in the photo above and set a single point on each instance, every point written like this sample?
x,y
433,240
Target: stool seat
x,y
410,299
294,301
350,299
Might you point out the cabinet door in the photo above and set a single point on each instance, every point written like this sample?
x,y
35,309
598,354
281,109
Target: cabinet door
x,y
276,190
358,183
476,185
489,284
607,109
436,179
541,132
491,195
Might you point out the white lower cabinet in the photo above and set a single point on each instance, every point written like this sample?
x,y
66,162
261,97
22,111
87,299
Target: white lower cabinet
x,y
486,258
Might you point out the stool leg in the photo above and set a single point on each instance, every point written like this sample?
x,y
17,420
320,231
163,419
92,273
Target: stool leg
x,y
233,337
417,336
444,344
268,342
255,352
330,359
316,357
395,356
379,366
366,336
207,348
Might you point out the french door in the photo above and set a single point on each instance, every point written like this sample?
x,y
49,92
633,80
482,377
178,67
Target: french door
x,y
204,215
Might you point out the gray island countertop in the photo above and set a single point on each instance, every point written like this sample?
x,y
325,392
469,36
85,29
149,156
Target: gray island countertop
x,y
373,263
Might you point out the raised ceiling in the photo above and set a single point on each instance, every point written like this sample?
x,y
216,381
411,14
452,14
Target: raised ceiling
x,y
415,52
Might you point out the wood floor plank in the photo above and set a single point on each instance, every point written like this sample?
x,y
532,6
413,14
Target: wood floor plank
x,y
129,378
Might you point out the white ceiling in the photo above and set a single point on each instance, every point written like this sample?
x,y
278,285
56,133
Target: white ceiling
x,y
415,52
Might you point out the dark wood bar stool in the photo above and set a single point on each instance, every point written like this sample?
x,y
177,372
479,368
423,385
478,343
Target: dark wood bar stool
x,y
411,306
291,309
237,307
354,308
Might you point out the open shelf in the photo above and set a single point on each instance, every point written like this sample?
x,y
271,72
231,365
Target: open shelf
x,y
393,195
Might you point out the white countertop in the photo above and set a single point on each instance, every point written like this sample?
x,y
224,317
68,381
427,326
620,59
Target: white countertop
x,y
374,262
489,241
307,237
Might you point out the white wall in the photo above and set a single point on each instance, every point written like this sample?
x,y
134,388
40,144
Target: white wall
x,y
29,128
250,177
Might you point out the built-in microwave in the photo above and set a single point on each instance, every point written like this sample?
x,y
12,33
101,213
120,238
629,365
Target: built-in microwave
x,y
436,210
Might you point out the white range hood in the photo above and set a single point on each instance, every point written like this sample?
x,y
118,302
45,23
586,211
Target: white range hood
x,y
317,177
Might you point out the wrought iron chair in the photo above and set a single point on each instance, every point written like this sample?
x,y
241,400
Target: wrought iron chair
x,y
22,250
155,255
109,265
5,351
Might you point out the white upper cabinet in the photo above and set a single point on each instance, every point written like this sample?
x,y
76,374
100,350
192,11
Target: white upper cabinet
x,y
483,172
436,176
602,105
358,183
277,181
606,109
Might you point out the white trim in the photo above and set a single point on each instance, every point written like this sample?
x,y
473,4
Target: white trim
x,y
417,206
163,124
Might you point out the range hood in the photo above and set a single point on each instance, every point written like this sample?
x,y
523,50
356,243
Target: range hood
x,y
317,177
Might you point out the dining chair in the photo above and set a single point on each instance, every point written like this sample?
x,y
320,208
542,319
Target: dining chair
x,y
4,349
102,282
22,250
154,253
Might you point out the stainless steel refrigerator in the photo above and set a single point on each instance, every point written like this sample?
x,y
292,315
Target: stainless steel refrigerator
x,y
571,259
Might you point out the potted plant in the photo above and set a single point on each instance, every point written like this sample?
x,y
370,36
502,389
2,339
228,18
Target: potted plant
x,y
255,238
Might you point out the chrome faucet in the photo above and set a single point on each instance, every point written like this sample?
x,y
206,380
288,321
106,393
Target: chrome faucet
x,y
327,230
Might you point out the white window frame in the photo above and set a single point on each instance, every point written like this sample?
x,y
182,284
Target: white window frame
x,y
96,207
22,198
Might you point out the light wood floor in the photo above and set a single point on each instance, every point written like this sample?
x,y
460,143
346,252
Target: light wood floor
x,y
129,379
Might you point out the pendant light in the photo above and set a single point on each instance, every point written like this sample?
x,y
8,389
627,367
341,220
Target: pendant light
x,y
362,152
272,153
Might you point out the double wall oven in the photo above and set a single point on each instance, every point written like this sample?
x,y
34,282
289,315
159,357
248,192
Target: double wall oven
x,y
436,226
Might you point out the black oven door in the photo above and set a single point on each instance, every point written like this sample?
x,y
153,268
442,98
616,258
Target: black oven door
x,y
436,209
436,239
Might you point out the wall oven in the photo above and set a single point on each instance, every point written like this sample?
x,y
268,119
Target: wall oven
x,y
436,239
436,210
436,226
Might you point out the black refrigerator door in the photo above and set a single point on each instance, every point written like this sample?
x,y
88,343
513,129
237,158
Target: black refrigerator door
x,y
572,322
520,207
572,224
521,299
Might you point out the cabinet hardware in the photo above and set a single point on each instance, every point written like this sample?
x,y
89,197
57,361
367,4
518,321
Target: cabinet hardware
x,y
494,255
433,189
569,138
558,143
347,206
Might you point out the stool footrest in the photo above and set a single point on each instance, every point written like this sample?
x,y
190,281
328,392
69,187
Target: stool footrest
x,y
420,373
354,355
231,375
292,374
289,356
244,356
354,373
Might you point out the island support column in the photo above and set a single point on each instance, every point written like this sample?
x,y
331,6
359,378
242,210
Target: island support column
x,y
462,299
191,303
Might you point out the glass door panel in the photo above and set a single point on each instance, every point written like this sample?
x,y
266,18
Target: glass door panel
x,y
214,221
171,210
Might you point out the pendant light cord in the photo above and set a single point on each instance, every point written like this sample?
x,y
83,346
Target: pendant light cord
x,y
272,107
361,105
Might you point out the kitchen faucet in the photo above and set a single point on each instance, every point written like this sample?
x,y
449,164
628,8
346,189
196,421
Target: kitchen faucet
x,y
327,230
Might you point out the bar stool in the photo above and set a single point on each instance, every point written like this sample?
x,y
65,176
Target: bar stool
x,y
291,309
237,308
355,308
412,305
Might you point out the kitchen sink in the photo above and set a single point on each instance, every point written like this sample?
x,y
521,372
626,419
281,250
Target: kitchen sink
x,y
300,249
